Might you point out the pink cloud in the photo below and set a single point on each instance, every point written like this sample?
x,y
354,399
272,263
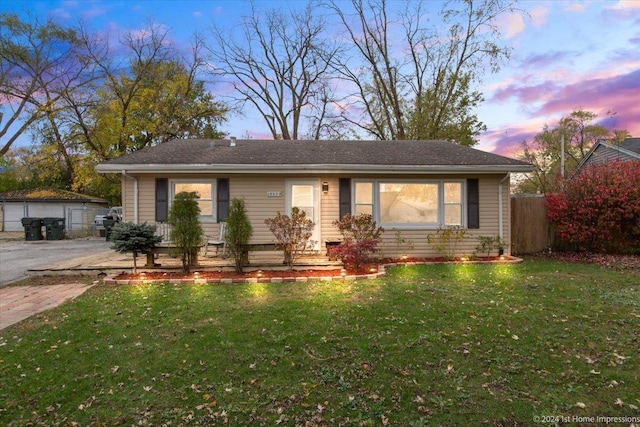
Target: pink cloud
x,y
576,8
547,102
539,15
625,5
511,25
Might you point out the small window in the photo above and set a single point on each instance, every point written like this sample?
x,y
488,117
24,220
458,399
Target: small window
x,y
364,198
453,203
205,192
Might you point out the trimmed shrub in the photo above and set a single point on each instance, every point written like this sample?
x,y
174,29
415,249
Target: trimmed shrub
x,y
599,209
186,231
292,234
135,238
361,237
238,234
446,240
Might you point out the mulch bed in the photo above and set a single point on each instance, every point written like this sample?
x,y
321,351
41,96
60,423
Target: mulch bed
x,y
365,272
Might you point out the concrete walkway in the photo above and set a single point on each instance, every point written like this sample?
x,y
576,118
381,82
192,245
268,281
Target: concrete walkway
x,y
20,302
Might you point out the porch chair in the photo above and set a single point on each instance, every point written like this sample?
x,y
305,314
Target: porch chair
x,y
219,242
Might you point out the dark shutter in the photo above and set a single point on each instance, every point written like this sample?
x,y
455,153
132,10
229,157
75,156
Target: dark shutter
x,y
222,199
473,203
162,199
344,196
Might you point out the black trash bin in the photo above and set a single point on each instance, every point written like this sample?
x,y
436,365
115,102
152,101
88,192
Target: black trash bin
x,y
32,228
54,228
108,223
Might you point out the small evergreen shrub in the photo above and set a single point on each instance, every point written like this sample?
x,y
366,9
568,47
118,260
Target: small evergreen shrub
x,y
238,234
292,234
186,231
135,238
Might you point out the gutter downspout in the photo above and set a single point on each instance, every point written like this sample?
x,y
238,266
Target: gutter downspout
x,y
135,196
500,206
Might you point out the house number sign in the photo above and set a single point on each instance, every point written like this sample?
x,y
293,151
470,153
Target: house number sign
x,y
274,193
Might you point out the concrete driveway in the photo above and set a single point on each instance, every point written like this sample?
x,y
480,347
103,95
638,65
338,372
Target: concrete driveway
x,y
18,256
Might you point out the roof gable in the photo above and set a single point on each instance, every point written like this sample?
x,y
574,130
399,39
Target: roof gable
x,y
603,151
250,155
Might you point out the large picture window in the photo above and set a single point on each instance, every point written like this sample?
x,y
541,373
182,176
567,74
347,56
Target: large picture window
x,y
204,190
411,203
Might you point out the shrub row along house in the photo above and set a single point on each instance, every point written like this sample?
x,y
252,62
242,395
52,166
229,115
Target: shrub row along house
x,y
414,187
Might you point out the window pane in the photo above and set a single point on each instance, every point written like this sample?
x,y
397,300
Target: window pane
x,y
364,209
364,192
203,190
302,196
409,203
453,215
206,207
452,192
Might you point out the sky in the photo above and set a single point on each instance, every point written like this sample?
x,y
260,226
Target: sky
x,y
565,56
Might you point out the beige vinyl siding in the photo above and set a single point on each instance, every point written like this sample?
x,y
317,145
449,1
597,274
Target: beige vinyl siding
x,y
254,190
128,200
489,223
147,199
330,209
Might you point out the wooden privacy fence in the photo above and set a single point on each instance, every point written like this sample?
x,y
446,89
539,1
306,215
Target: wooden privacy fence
x,y
530,230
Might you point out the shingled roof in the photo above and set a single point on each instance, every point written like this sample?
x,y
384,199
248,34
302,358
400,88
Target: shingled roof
x,y
631,144
199,155
51,195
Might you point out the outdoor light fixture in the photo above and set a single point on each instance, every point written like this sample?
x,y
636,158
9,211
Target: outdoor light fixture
x,y
259,274
325,187
196,275
143,276
343,272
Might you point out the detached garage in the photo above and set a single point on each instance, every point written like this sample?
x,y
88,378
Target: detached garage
x,y
78,210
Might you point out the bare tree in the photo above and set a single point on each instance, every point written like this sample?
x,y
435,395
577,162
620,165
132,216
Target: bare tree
x,y
38,62
279,64
416,80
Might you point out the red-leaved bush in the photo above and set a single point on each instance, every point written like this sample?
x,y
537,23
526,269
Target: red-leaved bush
x,y
599,209
361,237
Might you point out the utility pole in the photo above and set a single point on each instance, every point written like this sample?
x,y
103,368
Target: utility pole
x,y
562,155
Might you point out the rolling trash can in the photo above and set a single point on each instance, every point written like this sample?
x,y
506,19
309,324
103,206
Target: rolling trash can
x,y
32,228
108,223
54,228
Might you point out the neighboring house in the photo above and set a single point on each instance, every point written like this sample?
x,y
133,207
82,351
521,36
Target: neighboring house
x,y
604,151
77,209
412,186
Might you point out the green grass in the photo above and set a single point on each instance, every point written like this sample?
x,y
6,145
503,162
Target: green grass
x,y
426,345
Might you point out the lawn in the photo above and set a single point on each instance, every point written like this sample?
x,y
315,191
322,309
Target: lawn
x,y
426,345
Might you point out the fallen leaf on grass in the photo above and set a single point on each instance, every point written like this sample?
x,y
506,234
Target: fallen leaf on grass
x,y
619,402
581,405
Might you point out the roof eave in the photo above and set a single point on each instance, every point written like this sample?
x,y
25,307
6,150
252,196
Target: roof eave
x,y
310,168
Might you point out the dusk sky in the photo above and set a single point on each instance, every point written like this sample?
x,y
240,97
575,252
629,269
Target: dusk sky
x,y
567,55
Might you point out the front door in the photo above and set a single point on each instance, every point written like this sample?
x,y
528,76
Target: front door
x,y
305,195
